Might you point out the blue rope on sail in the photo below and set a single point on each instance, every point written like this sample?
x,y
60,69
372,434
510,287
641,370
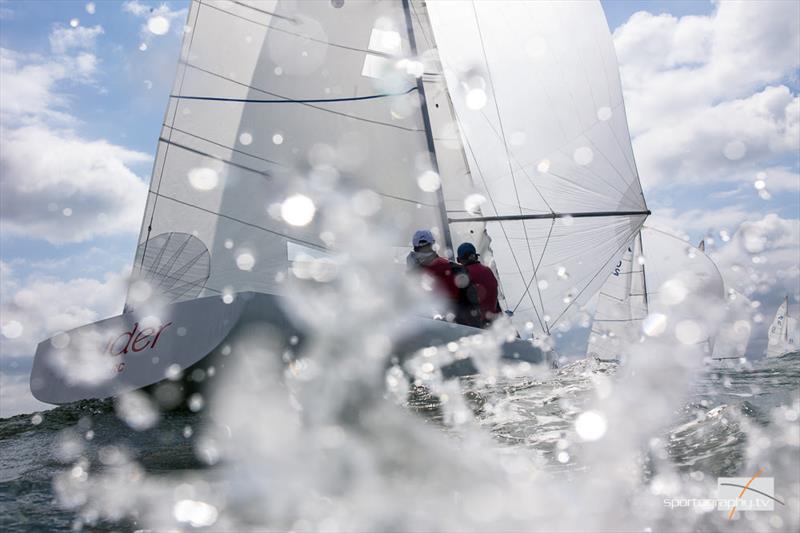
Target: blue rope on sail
x,y
292,101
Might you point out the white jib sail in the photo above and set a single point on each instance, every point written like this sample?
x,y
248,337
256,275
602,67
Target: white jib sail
x,y
536,89
621,306
781,338
270,98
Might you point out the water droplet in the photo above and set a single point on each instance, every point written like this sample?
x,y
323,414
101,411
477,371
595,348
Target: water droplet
x,y
298,210
590,425
158,25
562,272
67,212
196,402
583,155
173,372
278,71
143,47
74,23
689,332
195,513
228,244
139,291
752,238
475,98
724,236
473,203
277,138
543,166
137,410
654,325
245,261
429,181
91,8
543,284
187,431
673,292
203,178
12,329
60,341
760,184
563,457
604,113
734,150
227,295
517,138
36,419
245,139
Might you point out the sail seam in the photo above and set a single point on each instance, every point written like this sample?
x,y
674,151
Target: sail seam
x,y
286,100
588,214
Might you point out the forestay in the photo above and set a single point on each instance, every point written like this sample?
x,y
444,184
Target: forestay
x,y
535,87
270,99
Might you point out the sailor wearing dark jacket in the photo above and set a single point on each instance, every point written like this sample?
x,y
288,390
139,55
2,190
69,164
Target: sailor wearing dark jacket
x,y
484,280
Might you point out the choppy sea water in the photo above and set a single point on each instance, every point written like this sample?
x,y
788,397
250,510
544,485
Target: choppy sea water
x,y
143,479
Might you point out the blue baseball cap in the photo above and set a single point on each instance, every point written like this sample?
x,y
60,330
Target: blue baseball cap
x,y
466,250
422,237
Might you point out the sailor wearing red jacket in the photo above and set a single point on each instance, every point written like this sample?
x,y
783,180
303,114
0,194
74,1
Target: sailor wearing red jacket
x,y
483,278
425,258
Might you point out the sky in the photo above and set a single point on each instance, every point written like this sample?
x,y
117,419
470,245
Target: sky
x,y
711,92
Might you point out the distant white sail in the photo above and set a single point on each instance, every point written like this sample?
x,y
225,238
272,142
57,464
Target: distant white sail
x,y
782,337
544,127
683,285
621,306
267,92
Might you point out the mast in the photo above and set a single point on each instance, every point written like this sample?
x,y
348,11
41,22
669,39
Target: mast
x,y
448,240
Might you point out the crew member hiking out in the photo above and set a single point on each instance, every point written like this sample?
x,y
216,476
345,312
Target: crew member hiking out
x,y
484,281
450,280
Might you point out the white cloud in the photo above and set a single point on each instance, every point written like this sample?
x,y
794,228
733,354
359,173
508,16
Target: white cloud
x,y
63,39
44,306
62,188
699,220
700,87
159,19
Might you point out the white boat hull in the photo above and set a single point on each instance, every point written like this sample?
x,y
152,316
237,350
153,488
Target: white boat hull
x,y
129,352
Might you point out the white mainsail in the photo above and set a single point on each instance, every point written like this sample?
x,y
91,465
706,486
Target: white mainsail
x,y
270,98
781,338
544,127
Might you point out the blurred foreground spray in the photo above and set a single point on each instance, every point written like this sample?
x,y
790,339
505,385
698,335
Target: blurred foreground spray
x,y
319,446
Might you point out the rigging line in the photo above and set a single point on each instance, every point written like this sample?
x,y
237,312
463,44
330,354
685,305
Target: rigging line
x,y
426,120
270,13
502,228
590,214
428,38
535,271
264,173
502,129
291,100
331,111
226,147
300,35
243,222
174,257
625,243
166,150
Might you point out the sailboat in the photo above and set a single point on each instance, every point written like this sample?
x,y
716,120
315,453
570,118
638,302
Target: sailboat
x,y
782,337
659,282
498,123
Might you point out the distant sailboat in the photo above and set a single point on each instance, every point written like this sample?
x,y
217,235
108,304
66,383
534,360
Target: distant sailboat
x,y
657,272
516,105
783,333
